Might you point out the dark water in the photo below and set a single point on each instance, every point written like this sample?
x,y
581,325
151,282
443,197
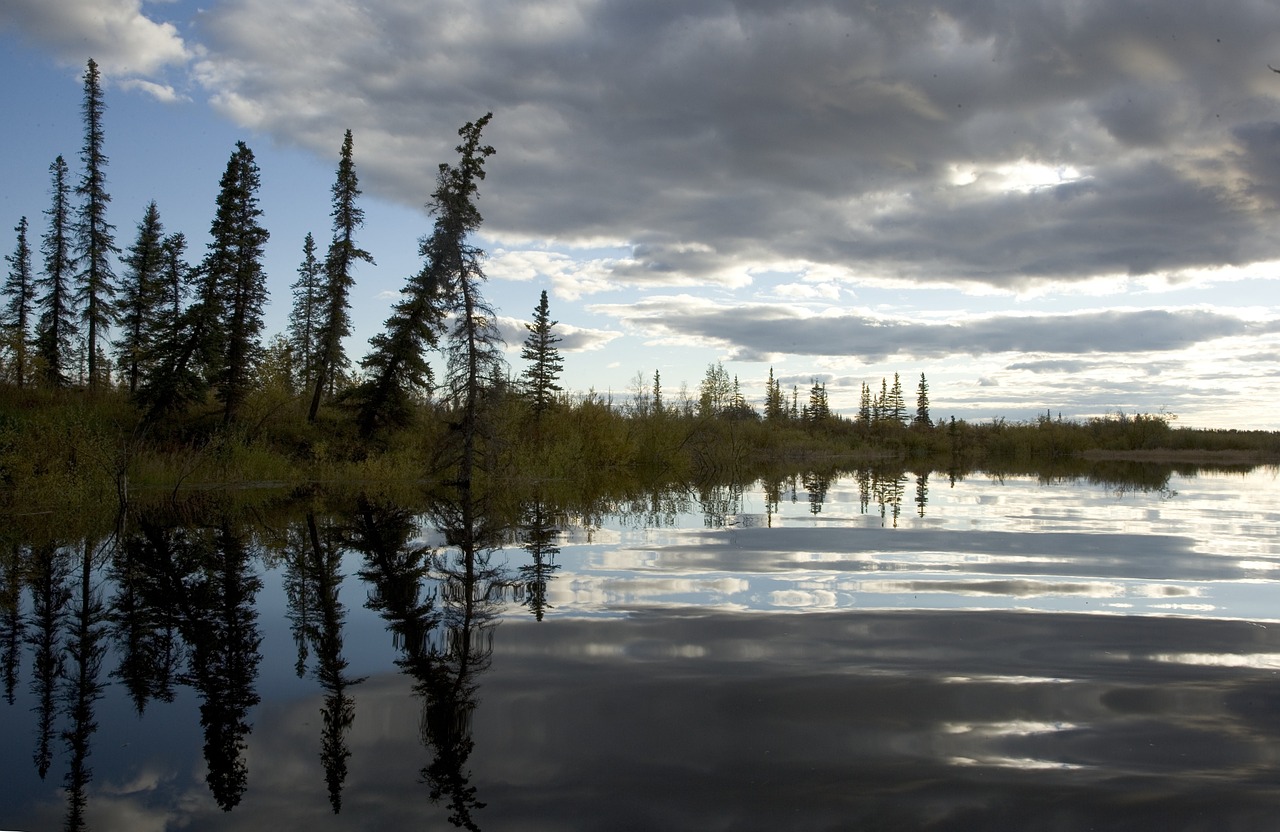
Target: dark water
x,y
860,652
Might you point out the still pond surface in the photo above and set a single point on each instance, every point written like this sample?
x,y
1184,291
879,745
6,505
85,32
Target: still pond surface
x,y
868,651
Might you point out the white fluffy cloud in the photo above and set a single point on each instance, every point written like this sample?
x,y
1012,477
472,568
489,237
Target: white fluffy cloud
x,y
123,40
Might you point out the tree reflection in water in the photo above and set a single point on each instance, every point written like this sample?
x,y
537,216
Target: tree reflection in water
x,y
50,594
313,579
538,533
85,647
441,607
12,625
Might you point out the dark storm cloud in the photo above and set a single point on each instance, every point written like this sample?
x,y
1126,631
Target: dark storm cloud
x,y
763,330
714,137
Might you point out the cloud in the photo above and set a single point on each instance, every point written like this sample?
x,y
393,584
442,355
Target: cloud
x,y
160,92
115,33
572,338
715,137
760,330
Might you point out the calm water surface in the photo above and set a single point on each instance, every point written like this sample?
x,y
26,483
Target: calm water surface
x,y
864,652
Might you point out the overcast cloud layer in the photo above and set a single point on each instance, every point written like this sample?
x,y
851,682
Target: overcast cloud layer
x,y
884,140
754,169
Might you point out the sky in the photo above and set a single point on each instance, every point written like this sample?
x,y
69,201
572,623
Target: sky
x,y
1069,208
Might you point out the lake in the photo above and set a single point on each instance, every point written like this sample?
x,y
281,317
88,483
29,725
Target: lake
x,y
862,650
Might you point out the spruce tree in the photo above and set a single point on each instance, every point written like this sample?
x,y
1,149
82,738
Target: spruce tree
x,y
922,419
774,407
818,412
658,407
897,406
95,243
335,320
234,282
474,347
176,277
57,328
864,406
20,308
396,369
545,363
304,318
141,291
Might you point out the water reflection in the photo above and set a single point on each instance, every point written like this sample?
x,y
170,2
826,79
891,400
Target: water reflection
x,y
803,642
313,579
444,630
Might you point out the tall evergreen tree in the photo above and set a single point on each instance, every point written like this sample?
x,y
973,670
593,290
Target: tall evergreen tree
x,y
545,363
95,242
304,318
141,292
234,281
182,352
396,368
56,328
864,406
922,419
20,308
335,320
774,407
897,406
658,407
818,412
176,277
475,344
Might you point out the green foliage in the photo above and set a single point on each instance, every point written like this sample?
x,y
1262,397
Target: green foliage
x,y
139,306
95,242
57,325
397,375
304,318
235,284
545,363
334,319
19,310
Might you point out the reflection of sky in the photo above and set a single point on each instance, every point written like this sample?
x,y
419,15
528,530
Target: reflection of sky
x,y
684,719
1205,546
952,670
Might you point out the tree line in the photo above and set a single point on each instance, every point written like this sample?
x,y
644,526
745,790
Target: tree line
x,y
186,352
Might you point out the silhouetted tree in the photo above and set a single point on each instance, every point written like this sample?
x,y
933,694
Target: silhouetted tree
x,y
95,242
235,279
864,407
138,310
895,405
19,311
176,276
819,411
57,325
545,363
304,319
335,320
774,407
922,419
396,369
